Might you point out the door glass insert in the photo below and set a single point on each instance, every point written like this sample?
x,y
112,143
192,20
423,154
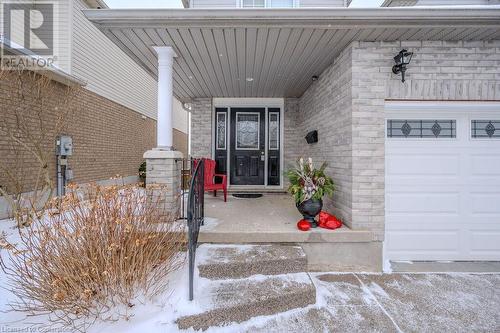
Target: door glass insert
x,y
247,131
425,128
274,133
488,129
221,130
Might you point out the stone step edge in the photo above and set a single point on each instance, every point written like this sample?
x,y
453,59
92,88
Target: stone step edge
x,y
242,270
239,313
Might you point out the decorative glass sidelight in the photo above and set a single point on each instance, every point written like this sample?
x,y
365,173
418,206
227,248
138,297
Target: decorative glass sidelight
x,y
489,129
274,130
425,128
221,130
247,131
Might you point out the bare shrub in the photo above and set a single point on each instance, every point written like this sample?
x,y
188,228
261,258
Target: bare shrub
x,y
95,250
36,111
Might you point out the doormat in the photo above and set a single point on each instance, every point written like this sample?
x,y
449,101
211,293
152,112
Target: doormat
x,y
247,195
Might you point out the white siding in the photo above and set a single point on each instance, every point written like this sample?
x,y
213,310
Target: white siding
x,y
62,30
401,3
214,3
180,117
237,3
108,71
322,3
454,2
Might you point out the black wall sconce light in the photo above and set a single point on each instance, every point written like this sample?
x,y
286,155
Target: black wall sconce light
x,y
402,60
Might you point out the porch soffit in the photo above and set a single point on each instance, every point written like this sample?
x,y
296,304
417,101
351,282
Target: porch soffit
x,y
278,51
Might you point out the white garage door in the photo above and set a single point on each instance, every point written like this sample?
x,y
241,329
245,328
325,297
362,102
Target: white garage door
x,y
442,181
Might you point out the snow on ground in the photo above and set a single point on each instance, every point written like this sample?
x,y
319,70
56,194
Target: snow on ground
x,y
154,316
344,302
157,315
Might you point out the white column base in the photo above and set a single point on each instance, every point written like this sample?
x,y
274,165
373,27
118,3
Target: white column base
x,y
163,167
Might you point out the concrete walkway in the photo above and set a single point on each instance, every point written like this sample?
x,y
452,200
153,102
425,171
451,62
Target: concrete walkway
x,y
395,303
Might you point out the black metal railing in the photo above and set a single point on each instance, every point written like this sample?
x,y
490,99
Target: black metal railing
x,y
195,215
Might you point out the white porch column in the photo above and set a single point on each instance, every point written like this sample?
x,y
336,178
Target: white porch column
x,y
163,164
164,123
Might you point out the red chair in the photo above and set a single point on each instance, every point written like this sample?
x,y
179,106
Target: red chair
x,y
210,176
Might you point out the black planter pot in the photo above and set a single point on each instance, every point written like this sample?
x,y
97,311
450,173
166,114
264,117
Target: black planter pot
x,y
309,209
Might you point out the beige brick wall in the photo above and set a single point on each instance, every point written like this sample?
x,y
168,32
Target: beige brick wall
x,y
326,107
293,138
201,127
108,138
440,70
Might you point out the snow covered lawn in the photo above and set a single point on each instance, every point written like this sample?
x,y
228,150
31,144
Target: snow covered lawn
x,y
345,303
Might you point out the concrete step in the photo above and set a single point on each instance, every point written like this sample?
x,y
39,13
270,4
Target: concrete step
x,y
229,301
217,261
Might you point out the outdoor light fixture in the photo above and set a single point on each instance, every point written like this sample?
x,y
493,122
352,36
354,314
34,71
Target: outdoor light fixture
x,y
402,60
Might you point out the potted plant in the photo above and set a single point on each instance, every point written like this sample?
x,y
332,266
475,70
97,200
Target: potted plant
x,y
142,173
308,185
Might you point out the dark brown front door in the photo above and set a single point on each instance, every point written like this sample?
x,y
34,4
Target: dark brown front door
x,y
247,146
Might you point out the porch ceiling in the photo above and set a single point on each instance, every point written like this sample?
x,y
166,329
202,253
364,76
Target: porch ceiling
x,y
279,49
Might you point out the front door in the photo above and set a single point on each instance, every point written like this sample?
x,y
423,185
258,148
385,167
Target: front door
x,y
247,146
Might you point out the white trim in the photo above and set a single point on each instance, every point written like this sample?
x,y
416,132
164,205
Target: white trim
x,y
248,102
337,16
282,146
189,132
266,147
239,4
432,106
53,72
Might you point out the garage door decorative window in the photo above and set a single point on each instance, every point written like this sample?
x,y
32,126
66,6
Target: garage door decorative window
x,y
421,128
485,129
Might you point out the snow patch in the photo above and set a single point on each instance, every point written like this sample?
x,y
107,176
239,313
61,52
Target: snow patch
x,y
387,267
375,288
209,223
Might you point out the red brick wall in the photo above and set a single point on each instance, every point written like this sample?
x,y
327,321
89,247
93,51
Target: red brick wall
x,y
108,138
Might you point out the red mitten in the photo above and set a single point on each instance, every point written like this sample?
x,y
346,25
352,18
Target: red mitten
x,y
328,221
332,224
323,217
303,225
